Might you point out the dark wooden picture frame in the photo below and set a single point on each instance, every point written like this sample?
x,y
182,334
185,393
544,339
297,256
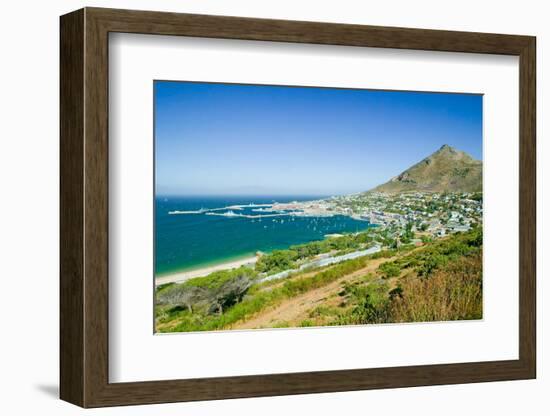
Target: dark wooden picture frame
x,y
84,207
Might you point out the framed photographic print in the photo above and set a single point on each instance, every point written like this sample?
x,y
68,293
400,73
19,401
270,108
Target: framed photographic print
x,y
255,207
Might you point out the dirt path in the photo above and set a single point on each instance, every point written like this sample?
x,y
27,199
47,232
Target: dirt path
x,y
296,309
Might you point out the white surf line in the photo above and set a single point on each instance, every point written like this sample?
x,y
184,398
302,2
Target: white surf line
x,y
207,210
200,211
249,206
248,215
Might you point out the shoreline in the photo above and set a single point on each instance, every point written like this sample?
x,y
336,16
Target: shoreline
x,y
180,277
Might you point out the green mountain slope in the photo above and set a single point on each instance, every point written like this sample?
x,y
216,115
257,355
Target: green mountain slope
x,y
446,170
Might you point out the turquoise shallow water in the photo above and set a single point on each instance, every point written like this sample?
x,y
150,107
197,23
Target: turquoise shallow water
x,y
186,242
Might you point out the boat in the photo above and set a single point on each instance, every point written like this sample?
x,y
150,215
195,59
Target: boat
x,y
230,213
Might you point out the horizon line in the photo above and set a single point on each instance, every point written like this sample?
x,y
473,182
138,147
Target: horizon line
x,y
325,195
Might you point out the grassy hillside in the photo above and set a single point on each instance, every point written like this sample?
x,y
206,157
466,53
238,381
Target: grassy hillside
x,y
439,281
446,170
442,282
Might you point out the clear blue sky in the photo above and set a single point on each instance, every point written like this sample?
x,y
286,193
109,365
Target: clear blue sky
x,y
227,139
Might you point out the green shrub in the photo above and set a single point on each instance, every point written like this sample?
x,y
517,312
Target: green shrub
x,y
217,279
280,260
389,269
277,261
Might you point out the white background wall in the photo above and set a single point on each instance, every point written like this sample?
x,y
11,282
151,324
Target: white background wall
x,y
29,208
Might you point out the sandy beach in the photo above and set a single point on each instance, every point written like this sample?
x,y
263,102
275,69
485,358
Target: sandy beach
x,y
183,276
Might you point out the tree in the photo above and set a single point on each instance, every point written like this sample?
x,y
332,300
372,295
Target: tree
x,y
277,261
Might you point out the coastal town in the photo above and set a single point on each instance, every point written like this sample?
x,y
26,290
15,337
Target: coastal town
x,y
397,219
434,214
410,235
413,214
425,213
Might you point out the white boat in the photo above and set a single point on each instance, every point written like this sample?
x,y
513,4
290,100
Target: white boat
x,y
230,214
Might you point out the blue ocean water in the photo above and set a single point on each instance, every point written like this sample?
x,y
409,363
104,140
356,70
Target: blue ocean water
x,y
187,242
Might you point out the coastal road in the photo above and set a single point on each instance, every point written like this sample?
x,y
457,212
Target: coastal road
x,y
319,262
323,262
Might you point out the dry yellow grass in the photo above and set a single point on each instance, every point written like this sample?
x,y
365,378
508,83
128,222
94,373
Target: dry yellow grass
x,y
454,293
